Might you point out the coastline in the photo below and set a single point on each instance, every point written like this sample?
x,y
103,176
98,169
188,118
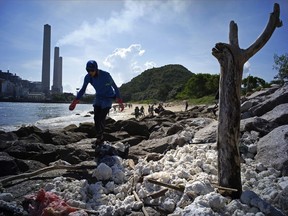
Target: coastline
x,y
76,116
32,101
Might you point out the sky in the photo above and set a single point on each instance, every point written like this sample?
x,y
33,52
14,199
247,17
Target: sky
x,y
126,37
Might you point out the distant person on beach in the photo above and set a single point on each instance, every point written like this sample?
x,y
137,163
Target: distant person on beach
x,y
142,113
137,112
186,105
159,109
106,92
151,110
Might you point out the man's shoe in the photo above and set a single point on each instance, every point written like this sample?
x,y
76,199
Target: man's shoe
x,y
97,142
97,146
97,150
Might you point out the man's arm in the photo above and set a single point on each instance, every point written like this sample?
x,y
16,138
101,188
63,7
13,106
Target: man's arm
x,y
79,94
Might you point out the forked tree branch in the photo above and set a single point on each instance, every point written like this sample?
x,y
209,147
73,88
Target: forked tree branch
x,y
273,23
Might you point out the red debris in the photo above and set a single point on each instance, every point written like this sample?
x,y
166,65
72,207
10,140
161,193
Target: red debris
x,y
48,204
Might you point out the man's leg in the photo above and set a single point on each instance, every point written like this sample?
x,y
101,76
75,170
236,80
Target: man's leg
x,y
99,120
104,113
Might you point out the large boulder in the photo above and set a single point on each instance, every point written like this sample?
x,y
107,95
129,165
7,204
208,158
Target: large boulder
x,y
157,145
9,136
13,166
87,127
206,134
174,129
8,165
246,106
278,115
45,153
66,137
257,124
272,149
263,92
278,97
133,128
26,131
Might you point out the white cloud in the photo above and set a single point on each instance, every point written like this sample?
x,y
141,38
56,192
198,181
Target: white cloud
x,y
246,69
149,65
120,22
131,52
126,63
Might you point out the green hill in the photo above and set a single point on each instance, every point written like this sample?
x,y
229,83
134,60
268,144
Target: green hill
x,y
160,84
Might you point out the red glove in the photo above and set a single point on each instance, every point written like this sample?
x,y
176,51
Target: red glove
x,y
73,104
120,102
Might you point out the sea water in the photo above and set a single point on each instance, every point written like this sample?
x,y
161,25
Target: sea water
x,y
13,115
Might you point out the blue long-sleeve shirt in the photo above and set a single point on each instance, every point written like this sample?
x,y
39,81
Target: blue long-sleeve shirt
x,y
105,87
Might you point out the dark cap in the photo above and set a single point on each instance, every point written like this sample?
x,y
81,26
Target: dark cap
x,y
91,66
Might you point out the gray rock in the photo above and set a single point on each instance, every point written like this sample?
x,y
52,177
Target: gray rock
x,y
257,124
7,197
247,196
8,165
263,92
284,170
272,149
157,145
174,129
133,127
9,136
246,106
278,97
206,134
278,115
282,199
252,199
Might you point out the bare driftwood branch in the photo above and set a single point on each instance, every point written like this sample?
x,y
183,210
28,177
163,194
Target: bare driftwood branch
x,y
224,188
43,170
233,34
158,194
93,212
273,23
131,164
138,199
178,188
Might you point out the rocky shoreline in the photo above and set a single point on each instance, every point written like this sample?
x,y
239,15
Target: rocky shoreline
x,y
175,148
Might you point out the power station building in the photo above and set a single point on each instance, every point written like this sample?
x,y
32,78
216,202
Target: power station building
x,y
57,72
57,69
46,60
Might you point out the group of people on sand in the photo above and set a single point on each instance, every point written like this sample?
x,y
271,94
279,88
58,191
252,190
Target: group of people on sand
x,y
139,112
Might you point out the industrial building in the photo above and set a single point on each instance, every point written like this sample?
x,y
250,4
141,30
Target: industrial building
x,y
57,69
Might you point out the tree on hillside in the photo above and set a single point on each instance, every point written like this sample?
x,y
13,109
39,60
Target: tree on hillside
x,y
281,65
252,82
232,59
200,85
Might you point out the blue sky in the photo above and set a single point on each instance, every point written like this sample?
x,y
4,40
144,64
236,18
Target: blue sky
x,y
128,37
